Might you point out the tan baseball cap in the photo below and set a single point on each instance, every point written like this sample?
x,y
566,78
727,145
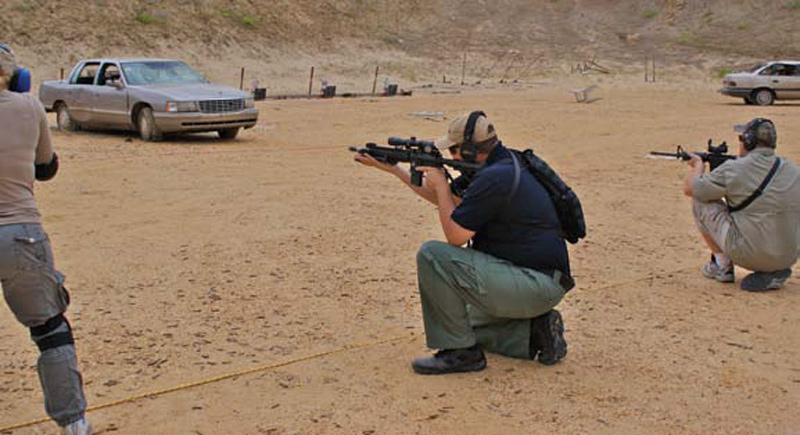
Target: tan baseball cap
x,y
484,130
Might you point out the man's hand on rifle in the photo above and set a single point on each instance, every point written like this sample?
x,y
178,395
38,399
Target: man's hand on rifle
x,y
695,161
435,178
368,160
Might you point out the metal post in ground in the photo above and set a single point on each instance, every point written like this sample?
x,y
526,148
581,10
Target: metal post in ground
x,y
463,68
241,80
650,68
375,82
311,81
654,69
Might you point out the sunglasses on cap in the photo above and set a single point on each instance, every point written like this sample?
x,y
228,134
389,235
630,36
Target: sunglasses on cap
x,y
453,148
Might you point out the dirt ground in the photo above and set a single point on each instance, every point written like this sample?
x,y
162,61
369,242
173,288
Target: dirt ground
x,y
191,259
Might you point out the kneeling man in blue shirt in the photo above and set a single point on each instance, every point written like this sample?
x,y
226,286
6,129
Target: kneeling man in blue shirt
x,y
499,293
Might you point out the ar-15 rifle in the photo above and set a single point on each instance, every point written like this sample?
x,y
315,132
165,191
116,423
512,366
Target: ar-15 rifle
x,y
417,153
715,156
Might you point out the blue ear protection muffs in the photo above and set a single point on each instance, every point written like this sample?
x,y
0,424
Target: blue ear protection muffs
x,y
753,134
469,149
20,81
21,78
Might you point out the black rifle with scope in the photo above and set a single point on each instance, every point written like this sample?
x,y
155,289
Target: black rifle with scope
x,y
715,156
415,152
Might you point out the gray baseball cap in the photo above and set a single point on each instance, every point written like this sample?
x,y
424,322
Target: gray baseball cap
x,y
8,62
762,128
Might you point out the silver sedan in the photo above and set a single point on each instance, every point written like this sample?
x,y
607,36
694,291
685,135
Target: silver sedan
x,y
150,96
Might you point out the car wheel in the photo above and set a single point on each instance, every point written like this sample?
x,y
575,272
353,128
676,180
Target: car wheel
x,y
763,97
147,125
63,120
228,133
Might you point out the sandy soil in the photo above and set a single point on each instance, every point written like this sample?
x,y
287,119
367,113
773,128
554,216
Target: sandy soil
x,y
194,258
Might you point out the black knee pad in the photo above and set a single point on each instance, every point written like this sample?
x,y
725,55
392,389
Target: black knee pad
x,y
52,341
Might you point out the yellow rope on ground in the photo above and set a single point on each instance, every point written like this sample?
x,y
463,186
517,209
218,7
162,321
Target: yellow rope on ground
x,y
262,368
276,365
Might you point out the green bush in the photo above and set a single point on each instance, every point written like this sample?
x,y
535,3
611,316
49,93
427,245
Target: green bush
x,y
650,13
145,18
794,5
743,26
723,72
239,17
249,21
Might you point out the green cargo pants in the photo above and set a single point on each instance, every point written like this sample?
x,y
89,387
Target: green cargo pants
x,y
470,297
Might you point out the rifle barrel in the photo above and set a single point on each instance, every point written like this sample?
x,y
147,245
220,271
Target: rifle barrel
x,y
682,156
715,155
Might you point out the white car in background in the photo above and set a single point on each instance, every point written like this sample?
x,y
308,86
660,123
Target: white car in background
x,y
765,83
149,96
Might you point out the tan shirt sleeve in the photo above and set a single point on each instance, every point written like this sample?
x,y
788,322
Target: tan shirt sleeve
x,y
44,148
711,186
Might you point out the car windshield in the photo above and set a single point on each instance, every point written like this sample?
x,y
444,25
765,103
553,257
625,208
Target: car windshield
x,y
160,73
756,68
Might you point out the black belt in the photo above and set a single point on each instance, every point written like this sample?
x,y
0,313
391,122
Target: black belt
x,y
565,281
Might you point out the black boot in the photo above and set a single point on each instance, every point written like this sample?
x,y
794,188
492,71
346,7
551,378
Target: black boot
x,y
470,359
547,338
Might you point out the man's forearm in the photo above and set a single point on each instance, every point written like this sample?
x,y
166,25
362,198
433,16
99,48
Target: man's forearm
x,y
694,172
455,234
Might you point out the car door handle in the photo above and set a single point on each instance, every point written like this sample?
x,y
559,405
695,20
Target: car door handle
x,y
776,81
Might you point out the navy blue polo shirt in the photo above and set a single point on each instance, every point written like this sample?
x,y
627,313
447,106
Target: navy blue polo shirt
x,y
524,230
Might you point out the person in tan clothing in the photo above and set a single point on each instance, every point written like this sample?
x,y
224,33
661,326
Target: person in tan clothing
x,y
32,287
758,225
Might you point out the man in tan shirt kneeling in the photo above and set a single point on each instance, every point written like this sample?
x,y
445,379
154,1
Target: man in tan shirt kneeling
x,y
758,225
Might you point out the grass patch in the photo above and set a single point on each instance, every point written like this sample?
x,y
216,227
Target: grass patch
x,y
685,37
793,5
723,72
236,16
249,21
145,18
743,26
650,13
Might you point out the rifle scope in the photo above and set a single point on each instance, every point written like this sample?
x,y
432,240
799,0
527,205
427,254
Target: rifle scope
x,y
410,143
